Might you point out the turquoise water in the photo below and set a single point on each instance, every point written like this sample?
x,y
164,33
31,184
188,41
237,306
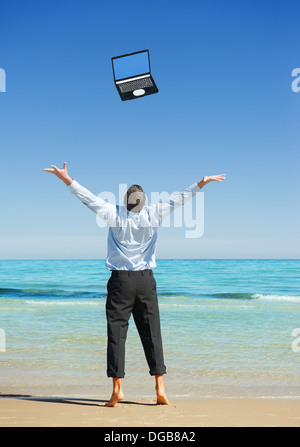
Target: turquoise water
x,y
226,324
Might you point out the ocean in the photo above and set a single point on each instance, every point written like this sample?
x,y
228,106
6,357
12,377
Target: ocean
x,y
229,329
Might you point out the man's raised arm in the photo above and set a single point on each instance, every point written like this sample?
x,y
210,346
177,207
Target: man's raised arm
x,y
103,209
177,199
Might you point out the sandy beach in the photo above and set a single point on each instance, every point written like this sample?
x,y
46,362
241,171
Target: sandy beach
x,y
228,350
19,411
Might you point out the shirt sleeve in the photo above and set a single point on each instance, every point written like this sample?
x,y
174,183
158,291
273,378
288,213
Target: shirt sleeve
x,y
165,207
103,209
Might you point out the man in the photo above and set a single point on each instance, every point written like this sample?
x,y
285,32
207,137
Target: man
x,y
132,288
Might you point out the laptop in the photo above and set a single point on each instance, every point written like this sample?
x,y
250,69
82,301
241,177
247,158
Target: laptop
x,y
132,75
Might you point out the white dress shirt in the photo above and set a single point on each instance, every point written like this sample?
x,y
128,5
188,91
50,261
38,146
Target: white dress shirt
x,y
132,236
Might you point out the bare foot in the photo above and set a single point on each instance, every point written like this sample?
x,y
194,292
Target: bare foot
x,y
160,391
161,396
117,393
115,398
162,399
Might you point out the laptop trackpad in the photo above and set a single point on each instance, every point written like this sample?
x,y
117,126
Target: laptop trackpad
x,y
139,92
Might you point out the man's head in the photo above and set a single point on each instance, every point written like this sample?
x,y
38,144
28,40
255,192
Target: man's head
x,y
135,198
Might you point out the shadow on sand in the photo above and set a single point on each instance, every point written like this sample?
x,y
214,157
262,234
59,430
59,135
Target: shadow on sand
x,y
71,400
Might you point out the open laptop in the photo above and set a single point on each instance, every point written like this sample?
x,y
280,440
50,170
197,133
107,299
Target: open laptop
x,y
132,75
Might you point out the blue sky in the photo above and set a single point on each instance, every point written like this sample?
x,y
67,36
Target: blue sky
x,y
225,105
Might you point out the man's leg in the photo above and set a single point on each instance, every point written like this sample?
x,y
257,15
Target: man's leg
x,y
147,320
120,300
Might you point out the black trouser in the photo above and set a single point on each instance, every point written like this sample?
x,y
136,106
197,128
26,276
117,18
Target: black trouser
x,y
133,292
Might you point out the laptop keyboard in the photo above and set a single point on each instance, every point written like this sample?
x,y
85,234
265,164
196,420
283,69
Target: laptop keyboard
x,y
135,85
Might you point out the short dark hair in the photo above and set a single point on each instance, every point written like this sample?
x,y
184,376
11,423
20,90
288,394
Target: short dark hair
x,y
135,198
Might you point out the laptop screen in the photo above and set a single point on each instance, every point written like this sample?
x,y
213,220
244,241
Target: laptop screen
x,y
131,65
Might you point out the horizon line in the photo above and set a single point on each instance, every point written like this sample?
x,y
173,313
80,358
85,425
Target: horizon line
x,y
157,259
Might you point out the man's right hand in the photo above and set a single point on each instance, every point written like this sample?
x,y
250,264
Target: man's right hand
x,y
61,173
